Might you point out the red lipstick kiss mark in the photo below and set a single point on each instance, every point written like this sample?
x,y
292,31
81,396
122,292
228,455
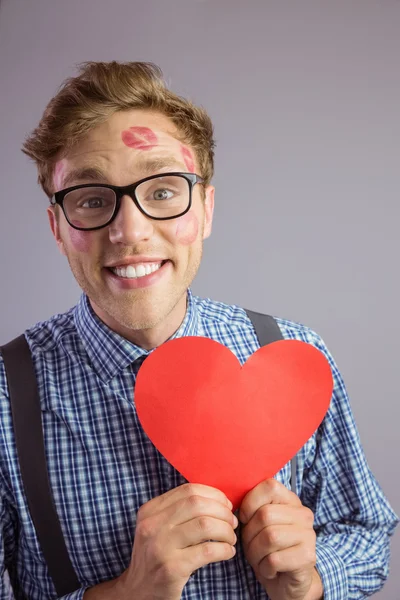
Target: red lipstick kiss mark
x,y
188,158
139,138
187,229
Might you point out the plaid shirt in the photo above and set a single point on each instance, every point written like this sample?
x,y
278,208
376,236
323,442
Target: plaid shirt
x,y
102,466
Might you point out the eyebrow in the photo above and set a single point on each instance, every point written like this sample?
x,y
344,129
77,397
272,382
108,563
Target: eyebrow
x,y
144,166
83,174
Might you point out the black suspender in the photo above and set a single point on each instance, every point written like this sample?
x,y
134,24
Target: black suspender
x,y
267,330
27,421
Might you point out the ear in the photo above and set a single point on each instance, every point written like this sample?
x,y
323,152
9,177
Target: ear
x,y
55,228
208,210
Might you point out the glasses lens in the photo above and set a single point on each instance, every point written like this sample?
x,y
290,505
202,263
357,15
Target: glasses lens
x,y
89,207
164,197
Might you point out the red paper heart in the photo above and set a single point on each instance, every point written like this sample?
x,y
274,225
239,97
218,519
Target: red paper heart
x,y
229,426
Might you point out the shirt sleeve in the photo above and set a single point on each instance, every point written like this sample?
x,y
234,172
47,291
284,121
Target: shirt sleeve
x,y
353,519
9,519
7,537
7,552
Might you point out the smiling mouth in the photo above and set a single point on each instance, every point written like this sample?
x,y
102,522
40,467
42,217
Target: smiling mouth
x,y
137,271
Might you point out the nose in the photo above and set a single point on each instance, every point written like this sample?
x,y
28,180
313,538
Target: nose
x,y
130,225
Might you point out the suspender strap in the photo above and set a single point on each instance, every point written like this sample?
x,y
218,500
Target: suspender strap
x,y
267,330
26,415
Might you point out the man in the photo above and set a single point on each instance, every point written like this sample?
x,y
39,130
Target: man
x,y
127,166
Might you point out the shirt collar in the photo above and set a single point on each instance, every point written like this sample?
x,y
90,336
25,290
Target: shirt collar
x,y
109,352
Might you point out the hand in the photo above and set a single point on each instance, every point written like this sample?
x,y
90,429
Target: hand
x,y
279,542
172,540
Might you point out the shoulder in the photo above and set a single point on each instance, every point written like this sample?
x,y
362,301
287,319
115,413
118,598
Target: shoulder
x,y
219,315
230,325
48,342
47,336
45,339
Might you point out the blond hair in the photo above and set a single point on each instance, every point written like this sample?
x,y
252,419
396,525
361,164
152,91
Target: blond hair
x,y
100,90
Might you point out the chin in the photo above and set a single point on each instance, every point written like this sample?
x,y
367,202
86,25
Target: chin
x,y
139,310
134,318
136,322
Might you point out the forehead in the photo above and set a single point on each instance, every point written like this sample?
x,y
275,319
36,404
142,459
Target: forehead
x,y
122,121
128,143
118,131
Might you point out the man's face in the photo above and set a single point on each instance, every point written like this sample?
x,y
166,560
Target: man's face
x,y
123,150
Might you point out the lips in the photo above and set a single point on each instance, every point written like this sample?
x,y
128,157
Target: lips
x,y
136,261
130,283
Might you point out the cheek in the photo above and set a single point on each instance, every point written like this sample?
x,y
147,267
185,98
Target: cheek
x,y
80,240
187,229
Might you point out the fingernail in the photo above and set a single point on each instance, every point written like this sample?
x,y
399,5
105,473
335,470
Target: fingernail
x,y
230,504
235,522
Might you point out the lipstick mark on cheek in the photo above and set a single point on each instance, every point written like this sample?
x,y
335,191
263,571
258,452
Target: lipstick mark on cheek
x,y
139,138
187,229
188,158
81,240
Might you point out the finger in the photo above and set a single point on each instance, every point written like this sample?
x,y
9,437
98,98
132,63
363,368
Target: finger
x,y
276,514
204,554
294,559
201,530
276,538
183,491
192,507
269,491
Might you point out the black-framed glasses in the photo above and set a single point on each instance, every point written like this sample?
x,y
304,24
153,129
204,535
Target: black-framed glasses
x,y
161,197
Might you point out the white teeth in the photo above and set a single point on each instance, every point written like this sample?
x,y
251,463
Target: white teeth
x,y
131,272
140,270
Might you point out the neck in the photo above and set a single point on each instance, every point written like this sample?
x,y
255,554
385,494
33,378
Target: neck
x,y
147,338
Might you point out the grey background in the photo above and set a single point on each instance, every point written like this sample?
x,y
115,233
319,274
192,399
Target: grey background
x,y
305,100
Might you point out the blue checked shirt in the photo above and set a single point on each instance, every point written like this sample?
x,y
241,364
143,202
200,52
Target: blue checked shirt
x,y
102,466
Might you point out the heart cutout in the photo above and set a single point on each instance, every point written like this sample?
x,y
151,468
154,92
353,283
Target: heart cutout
x,y
226,425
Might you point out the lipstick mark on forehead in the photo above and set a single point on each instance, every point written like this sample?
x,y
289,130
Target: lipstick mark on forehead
x,y
81,240
187,229
59,173
139,138
188,158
